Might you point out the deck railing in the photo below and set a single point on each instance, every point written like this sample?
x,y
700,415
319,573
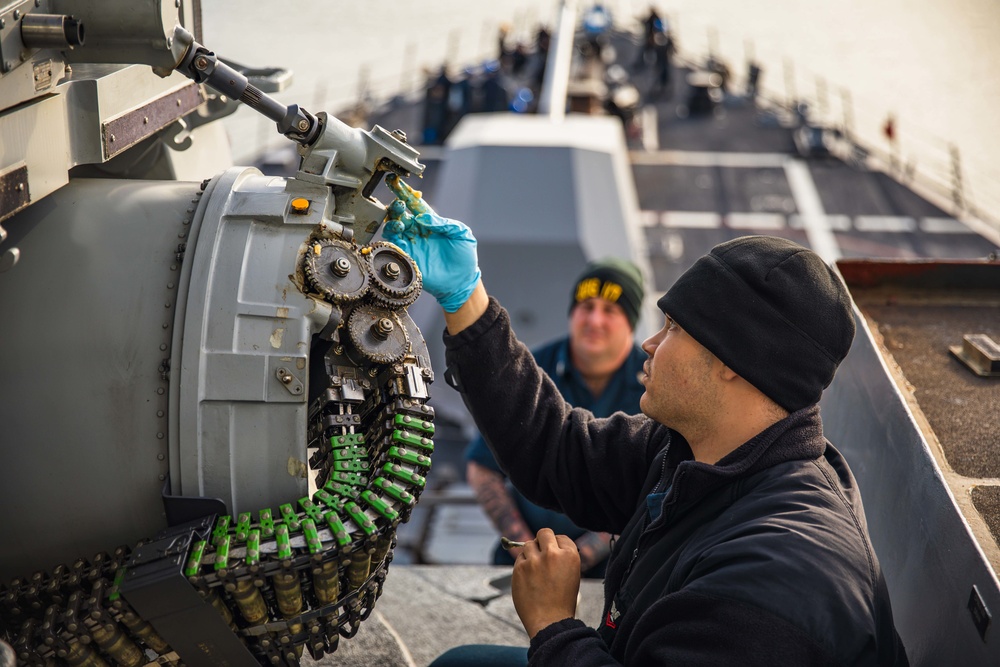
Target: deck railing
x,y
930,165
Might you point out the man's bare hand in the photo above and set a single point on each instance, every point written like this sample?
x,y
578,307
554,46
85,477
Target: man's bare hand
x,y
546,581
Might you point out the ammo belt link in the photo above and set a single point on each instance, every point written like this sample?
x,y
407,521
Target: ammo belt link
x,y
299,579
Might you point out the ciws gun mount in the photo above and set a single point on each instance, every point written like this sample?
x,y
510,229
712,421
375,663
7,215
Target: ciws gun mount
x,y
231,341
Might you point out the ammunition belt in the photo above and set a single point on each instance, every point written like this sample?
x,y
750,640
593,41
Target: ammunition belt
x,y
284,582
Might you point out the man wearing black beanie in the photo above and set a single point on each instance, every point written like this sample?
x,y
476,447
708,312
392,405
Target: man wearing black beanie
x,y
742,535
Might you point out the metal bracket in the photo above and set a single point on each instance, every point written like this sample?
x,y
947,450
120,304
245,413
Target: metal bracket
x,y
183,509
177,135
981,615
131,127
156,588
14,192
290,382
980,353
330,332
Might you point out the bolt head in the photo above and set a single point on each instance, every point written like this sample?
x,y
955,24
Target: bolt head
x,y
391,270
303,125
341,266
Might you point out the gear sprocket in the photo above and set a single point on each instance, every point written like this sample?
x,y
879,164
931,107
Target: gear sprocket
x,y
395,278
335,269
378,334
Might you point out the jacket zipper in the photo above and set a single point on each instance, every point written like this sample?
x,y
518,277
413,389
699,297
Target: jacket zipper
x,y
635,552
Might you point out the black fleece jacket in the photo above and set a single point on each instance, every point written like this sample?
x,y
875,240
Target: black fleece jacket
x,y
761,559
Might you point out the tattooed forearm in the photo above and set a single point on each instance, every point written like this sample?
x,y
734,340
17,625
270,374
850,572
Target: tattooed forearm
x,y
594,547
491,492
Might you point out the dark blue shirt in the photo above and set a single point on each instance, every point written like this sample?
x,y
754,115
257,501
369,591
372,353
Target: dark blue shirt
x,y
622,394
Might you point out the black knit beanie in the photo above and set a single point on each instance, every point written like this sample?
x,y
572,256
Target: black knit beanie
x,y
615,280
772,311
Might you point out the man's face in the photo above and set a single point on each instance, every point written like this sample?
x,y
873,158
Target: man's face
x,y
598,329
680,379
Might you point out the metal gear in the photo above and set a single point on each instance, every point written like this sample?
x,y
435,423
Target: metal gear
x,y
395,278
336,270
378,334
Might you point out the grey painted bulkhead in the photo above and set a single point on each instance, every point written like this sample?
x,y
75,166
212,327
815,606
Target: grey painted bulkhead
x,y
929,555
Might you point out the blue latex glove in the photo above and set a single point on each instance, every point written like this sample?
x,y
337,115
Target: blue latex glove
x,y
445,250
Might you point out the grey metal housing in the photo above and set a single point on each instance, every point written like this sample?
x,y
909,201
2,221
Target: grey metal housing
x,y
159,323
86,327
238,431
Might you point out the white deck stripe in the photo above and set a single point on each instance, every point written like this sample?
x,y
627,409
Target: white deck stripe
x,y
755,220
403,648
692,219
650,218
708,159
943,226
810,207
838,223
776,221
884,223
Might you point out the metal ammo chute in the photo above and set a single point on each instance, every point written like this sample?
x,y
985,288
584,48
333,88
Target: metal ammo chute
x,y
204,349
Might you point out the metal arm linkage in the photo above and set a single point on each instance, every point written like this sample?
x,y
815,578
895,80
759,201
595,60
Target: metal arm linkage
x,y
203,66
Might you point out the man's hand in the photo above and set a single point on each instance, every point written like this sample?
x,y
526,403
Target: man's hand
x,y
445,250
546,581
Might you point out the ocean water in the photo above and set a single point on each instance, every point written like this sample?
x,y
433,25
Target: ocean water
x,y
932,64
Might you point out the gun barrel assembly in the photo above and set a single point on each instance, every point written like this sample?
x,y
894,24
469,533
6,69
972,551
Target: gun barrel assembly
x,y
278,351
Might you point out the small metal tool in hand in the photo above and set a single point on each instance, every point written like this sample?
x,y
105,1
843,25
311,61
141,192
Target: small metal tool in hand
x,y
509,544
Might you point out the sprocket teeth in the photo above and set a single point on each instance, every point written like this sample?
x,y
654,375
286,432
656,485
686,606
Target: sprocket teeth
x,y
395,278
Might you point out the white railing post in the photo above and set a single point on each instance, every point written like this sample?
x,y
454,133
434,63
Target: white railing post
x,y
552,101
